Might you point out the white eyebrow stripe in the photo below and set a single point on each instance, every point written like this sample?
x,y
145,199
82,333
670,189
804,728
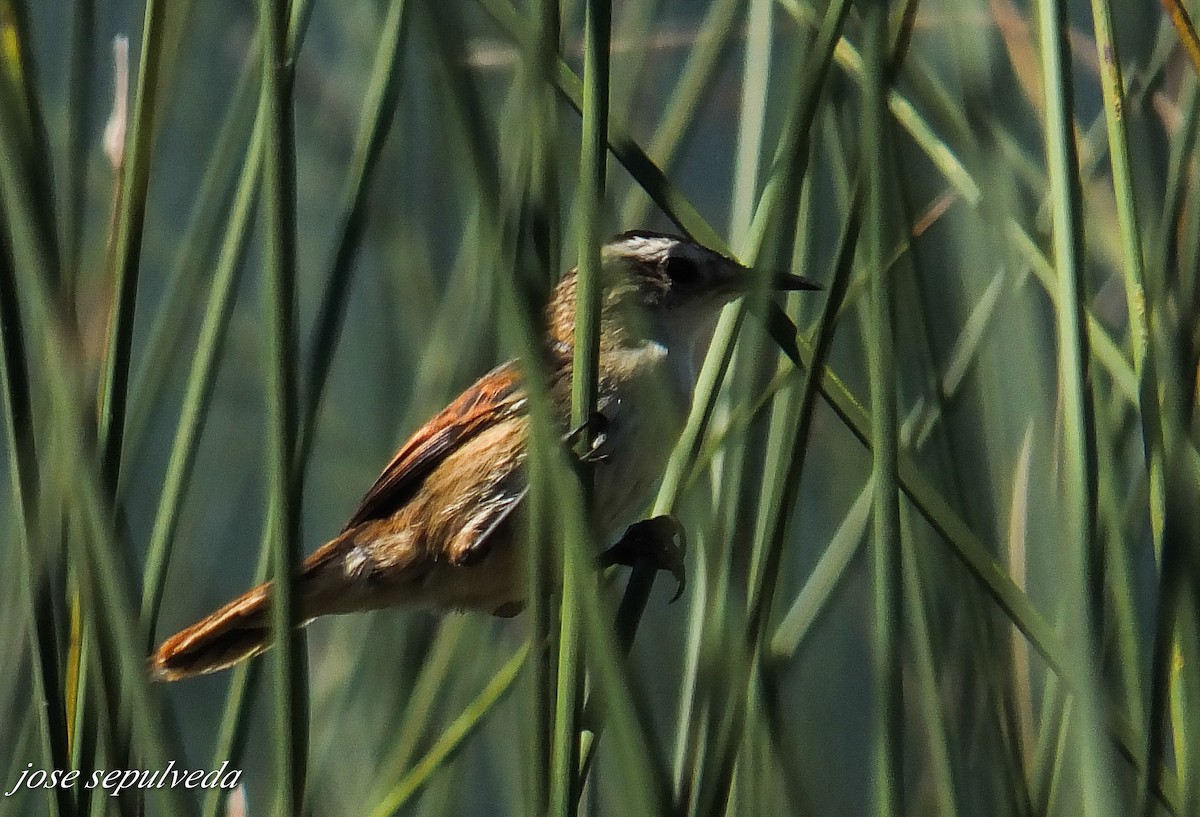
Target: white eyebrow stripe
x,y
646,248
654,249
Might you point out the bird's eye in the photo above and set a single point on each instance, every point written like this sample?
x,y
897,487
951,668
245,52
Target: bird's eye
x,y
681,270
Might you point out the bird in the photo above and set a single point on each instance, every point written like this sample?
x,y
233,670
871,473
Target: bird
x,y
441,527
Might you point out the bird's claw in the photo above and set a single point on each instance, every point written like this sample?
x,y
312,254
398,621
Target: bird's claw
x,y
659,542
594,429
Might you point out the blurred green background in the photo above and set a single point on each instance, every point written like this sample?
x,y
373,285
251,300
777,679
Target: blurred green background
x,y
989,609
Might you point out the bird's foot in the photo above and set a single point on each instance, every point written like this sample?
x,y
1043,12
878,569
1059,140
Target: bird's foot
x,y
594,430
659,542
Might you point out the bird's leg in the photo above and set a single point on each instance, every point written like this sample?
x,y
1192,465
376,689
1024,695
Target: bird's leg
x,y
659,541
594,429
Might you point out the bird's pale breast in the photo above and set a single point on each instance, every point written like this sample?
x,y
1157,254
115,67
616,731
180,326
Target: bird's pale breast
x,y
645,411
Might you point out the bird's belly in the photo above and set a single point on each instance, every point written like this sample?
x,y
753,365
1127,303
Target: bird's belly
x,y
641,432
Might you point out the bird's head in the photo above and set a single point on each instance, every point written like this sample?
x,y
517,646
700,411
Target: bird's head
x,y
660,285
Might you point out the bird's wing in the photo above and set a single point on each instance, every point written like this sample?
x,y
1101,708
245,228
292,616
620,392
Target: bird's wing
x,y
492,399
474,541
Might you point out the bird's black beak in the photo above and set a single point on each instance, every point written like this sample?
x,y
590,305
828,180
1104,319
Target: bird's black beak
x,y
787,282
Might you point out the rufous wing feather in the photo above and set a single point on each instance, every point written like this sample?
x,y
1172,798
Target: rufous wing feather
x,y
493,398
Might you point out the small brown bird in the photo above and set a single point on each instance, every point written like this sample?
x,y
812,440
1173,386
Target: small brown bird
x,y
438,529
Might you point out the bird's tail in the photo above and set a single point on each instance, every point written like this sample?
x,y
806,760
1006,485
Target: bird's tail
x,y
239,630
242,628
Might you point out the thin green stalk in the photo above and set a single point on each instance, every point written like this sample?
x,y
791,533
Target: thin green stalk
x,y
1165,702
1078,465
83,29
1053,747
903,109
455,735
817,591
232,732
378,113
1124,616
1153,442
985,646
925,664
685,101
1172,347
751,117
1185,689
198,393
918,425
1131,244
636,160
564,783
772,249
442,660
1017,554
21,739
887,645
777,205
633,39
194,254
592,166
194,247
624,148
712,604
17,400
127,246
541,247
1185,29
721,708
779,506
279,200
1107,353
83,727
